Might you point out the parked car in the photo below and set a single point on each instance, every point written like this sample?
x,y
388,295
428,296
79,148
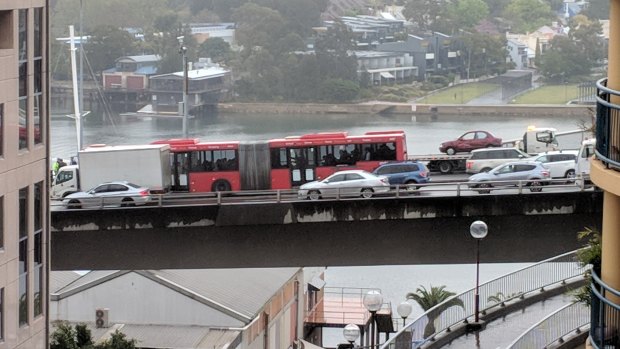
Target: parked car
x,y
345,183
469,141
560,163
535,173
483,160
119,193
404,173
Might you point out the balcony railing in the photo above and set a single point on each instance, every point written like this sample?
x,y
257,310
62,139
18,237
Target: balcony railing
x,y
607,125
605,320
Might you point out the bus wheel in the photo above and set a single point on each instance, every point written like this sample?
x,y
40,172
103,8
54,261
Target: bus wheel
x,y
445,167
220,185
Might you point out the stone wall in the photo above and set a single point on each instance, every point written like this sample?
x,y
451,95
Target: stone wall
x,y
411,109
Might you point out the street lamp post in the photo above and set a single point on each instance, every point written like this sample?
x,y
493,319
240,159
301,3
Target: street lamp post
x,y
183,52
404,310
373,301
478,231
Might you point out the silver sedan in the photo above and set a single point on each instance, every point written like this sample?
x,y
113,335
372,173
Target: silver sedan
x,y
121,193
345,183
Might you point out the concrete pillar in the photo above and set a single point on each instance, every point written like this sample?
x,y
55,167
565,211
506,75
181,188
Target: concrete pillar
x,y
611,241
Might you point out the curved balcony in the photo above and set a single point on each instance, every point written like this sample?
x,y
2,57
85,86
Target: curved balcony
x,y
607,125
605,316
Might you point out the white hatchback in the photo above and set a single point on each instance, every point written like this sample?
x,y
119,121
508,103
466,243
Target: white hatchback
x,y
560,163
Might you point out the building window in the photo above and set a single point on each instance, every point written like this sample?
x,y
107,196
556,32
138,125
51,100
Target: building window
x,y
23,78
38,76
1,222
1,315
38,249
1,129
6,29
23,257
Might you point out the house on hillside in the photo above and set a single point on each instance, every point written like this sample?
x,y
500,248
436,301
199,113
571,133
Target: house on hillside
x,y
206,308
203,31
432,54
386,67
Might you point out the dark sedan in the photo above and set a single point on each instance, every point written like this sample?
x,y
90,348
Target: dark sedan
x,y
469,141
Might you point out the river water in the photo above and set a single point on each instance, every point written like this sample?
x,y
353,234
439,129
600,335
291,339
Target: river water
x,y
423,137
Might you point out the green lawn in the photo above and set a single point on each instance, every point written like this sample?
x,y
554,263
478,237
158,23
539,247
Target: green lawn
x,y
458,94
548,94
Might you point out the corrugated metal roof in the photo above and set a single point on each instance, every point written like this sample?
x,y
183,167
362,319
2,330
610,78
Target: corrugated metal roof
x,y
60,279
243,290
140,58
218,339
88,279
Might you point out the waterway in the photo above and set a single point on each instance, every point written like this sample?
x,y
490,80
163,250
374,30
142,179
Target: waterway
x,y
423,137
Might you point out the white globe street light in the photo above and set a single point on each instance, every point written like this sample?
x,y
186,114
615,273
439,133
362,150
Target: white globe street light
x,y
351,332
373,301
404,310
478,231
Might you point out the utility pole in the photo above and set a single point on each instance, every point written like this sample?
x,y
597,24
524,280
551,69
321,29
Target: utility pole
x,y
81,93
183,52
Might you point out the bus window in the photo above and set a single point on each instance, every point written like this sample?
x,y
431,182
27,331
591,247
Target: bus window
x,y
225,160
278,158
386,151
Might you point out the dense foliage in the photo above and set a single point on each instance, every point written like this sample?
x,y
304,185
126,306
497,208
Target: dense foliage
x,y
80,337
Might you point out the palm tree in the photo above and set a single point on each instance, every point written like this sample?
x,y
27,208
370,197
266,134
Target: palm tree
x,y
428,299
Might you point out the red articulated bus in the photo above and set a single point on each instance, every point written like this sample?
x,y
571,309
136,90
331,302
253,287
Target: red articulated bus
x,y
278,163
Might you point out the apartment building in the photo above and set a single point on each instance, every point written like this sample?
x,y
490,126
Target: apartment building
x,y
24,174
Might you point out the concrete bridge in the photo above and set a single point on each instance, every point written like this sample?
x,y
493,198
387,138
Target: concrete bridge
x,y
381,231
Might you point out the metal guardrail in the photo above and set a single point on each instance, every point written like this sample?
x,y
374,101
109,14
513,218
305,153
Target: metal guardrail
x,y
455,189
605,320
493,294
607,125
571,319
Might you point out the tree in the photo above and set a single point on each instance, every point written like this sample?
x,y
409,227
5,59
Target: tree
x,y
106,44
528,15
429,299
466,14
118,340
332,52
63,337
257,26
215,48
338,90
425,14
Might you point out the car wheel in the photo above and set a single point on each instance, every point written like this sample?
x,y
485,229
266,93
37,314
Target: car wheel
x,y
483,188
486,169
314,195
535,186
367,193
411,186
127,202
450,151
221,185
570,174
65,194
445,167
74,204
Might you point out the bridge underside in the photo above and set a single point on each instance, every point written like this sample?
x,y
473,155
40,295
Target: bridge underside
x,y
524,228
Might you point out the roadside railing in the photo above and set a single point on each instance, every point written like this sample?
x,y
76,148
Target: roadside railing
x,y
493,294
607,125
556,328
452,189
605,319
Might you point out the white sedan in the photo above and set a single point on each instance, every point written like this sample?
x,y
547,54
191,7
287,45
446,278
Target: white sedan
x,y
345,183
120,193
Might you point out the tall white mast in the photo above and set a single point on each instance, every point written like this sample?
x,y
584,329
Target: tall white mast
x,y
76,103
